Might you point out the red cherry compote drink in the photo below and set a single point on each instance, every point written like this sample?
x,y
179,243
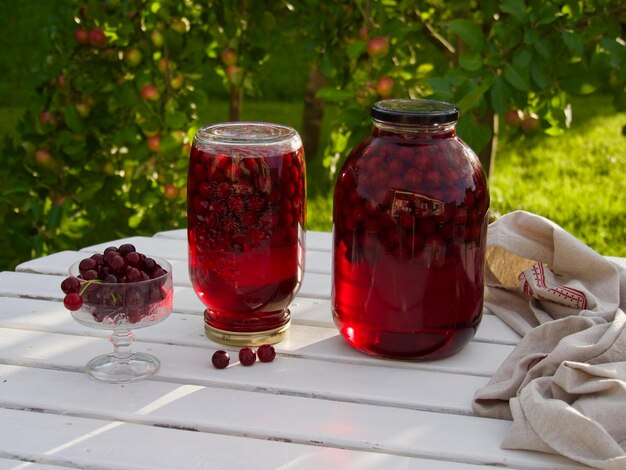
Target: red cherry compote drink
x,y
409,237
246,219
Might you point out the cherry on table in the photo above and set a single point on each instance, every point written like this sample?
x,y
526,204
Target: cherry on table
x,y
247,356
266,353
220,359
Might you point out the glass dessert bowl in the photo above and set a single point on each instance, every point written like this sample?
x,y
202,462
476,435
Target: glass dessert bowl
x,y
122,307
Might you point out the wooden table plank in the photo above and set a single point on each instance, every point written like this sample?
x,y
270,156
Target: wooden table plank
x,y
91,443
478,358
17,464
305,310
270,417
320,404
311,306
290,375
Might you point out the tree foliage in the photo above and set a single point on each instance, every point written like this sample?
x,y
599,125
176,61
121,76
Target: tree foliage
x,y
487,56
103,150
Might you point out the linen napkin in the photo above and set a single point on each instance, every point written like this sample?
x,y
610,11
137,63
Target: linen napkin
x,y
564,385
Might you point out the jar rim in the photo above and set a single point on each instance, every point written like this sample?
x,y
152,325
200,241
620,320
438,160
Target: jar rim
x,y
414,111
245,133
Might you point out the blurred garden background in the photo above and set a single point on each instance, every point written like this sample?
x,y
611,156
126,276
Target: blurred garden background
x,y
99,101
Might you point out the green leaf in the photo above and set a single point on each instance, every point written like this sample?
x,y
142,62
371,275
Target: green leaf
x,y
74,148
554,131
579,84
268,20
522,58
125,136
469,32
200,97
88,191
355,49
54,217
173,39
211,50
515,78
134,220
508,36
548,13
531,36
614,27
619,99
440,87
175,120
616,49
65,138
574,42
326,66
471,99
73,119
488,7
596,26
544,48
572,10
35,207
476,135
168,145
516,8
352,117
333,94
471,61
500,94
539,73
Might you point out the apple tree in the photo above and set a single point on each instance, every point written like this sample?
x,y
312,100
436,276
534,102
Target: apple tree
x,y
244,33
103,150
516,61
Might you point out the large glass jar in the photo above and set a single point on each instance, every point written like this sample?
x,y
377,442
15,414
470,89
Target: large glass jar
x,y
409,227
246,215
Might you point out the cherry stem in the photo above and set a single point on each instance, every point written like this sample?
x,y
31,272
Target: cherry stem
x,y
85,284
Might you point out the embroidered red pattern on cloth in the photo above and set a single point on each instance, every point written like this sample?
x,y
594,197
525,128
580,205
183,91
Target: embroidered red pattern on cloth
x,y
536,282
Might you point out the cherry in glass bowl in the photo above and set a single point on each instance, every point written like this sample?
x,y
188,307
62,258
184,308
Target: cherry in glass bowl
x,y
122,307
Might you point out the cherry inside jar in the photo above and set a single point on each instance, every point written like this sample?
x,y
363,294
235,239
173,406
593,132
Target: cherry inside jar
x,y
246,219
409,229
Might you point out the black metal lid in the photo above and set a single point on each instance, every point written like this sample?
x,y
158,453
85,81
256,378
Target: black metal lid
x,y
407,111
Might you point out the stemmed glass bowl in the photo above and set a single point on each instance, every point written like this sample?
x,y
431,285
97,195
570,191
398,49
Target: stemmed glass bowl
x,y
122,307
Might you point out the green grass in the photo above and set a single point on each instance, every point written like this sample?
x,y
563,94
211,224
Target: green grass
x,y
576,180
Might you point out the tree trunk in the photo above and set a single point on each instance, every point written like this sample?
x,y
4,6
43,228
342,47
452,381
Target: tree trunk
x,y
236,103
313,113
487,155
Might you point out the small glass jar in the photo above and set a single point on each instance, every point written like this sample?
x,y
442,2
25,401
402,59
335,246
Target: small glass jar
x,y
409,228
246,228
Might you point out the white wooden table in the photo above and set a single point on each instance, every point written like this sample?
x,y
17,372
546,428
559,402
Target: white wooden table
x,y
320,404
